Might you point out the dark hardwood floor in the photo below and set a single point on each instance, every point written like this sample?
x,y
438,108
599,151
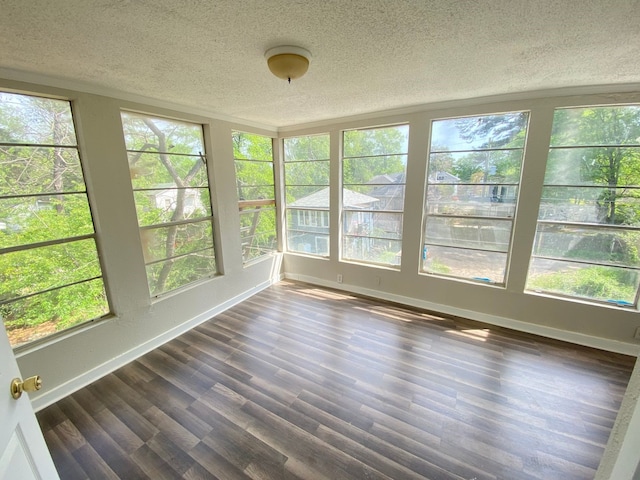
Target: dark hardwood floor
x,y
301,382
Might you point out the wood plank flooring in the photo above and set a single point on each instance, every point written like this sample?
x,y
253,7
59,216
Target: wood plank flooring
x,y
301,382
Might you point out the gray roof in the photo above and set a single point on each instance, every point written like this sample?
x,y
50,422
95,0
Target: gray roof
x,y
320,199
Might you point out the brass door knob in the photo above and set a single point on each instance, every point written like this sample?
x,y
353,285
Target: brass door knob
x,y
31,384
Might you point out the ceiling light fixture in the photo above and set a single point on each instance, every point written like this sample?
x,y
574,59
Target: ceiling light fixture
x,y
288,62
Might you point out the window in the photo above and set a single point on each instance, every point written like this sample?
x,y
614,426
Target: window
x,y
253,155
374,163
171,190
306,176
50,274
472,188
588,232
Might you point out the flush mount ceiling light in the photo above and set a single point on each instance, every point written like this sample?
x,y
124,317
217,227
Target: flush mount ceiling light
x,y
288,62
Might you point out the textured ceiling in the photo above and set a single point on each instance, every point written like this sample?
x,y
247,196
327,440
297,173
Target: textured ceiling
x,y
368,55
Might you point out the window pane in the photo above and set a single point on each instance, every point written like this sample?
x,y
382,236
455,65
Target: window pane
x,y
593,166
250,146
306,173
376,141
300,197
375,170
615,125
307,148
487,131
483,166
171,274
258,232
309,243
484,266
474,233
28,220
254,173
592,178
171,205
153,170
594,245
583,281
42,200
377,197
620,206
473,178
170,186
186,238
481,200
371,250
145,133
27,170
35,317
36,120
30,271
373,224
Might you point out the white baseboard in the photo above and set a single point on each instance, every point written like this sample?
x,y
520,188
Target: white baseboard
x,y
564,335
67,388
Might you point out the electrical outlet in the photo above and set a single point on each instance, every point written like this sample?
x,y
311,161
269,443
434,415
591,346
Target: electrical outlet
x,y
339,278
637,334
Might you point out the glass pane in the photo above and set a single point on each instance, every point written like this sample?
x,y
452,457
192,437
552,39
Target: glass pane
x,y
153,170
617,125
483,266
308,220
614,206
310,244
373,224
594,166
25,170
36,317
31,271
247,194
385,169
502,166
376,141
254,173
470,233
38,219
374,250
144,133
317,197
307,173
473,133
595,245
306,148
583,281
171,274
377,197
35,120
473,200
250,146
258,232
171,205
166,242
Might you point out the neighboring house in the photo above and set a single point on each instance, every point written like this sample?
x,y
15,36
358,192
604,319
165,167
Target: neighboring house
x,y
166,199
308,227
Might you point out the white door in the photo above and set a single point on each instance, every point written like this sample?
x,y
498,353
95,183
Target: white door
x,y
23,451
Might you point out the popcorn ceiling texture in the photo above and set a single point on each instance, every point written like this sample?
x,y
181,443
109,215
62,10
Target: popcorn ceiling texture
x,y
367,55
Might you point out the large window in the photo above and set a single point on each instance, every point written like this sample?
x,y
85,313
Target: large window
x,y
253,155
588,233
472,188
50,274
169,177
306,174
374,163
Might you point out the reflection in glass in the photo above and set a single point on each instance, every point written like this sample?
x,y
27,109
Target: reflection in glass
x,y
477,265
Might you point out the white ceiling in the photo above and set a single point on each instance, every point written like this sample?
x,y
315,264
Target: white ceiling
x,y
368,55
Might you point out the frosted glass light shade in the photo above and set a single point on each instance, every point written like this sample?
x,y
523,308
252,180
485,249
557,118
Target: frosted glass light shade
x,y
288,62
